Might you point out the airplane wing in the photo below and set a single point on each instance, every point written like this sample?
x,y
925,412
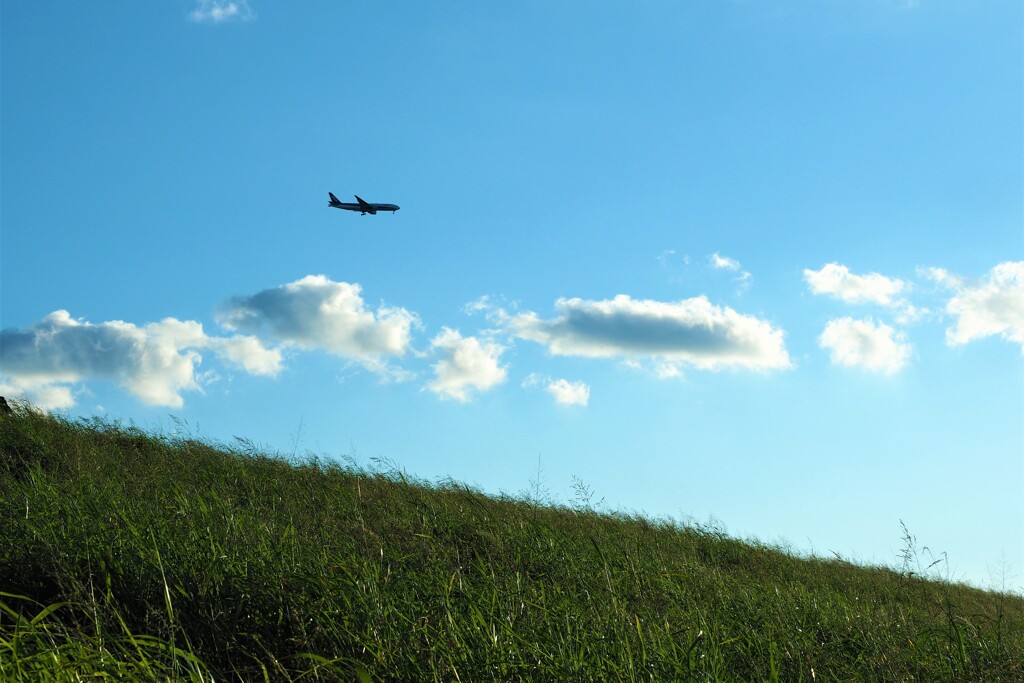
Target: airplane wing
x,y
363,203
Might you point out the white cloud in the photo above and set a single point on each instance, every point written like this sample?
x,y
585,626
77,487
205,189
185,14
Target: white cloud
x,y
480,305
39,393
674,266
563,391
862,343
667,370
155,362
723,262
665,257
692,332
993,307
942,277
568,393
908,314
836,280
467,365
248,353
219,11
318,313
743,278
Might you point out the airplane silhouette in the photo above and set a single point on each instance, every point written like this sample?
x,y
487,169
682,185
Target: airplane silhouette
x,y
363,207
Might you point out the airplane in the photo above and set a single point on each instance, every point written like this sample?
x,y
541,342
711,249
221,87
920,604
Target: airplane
x,y
363,207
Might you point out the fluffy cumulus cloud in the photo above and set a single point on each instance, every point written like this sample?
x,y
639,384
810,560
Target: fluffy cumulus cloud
x,y
837,281
318,313
564,392
247,353
219,11
155,362
568,393
39,392
689,332
994,306
467,365
865,344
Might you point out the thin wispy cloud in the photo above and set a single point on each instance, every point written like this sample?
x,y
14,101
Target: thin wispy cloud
x,y
154,362
317,313
876,347
743,278
673,265
669,258
468,366
941,277
220,11
691,332
481,304
723,262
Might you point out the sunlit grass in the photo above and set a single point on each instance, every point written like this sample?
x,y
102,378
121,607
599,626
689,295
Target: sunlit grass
x,y
143,556
53,644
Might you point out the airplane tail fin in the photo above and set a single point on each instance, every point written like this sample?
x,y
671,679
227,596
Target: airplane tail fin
x,y
334,200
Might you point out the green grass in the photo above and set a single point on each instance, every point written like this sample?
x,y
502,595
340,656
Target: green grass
x,y
146,557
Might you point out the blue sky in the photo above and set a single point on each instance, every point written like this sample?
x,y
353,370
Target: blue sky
x,y
755,262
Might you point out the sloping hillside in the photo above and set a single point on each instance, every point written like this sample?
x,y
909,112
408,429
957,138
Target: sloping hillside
x,y
147,556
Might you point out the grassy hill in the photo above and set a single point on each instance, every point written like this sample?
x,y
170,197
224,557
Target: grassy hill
x,y
144,556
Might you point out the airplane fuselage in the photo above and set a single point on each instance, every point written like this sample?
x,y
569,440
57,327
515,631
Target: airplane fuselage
x,y
363,207
371,209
